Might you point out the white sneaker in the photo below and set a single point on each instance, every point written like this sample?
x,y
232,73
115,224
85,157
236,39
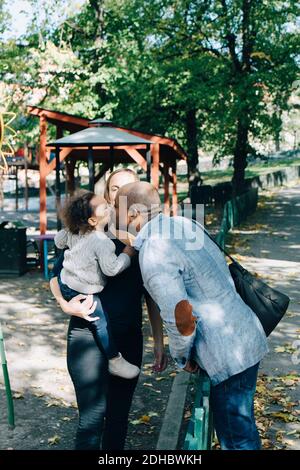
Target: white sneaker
x,y
119,366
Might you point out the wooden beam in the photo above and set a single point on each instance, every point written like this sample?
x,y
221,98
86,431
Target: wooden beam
x,y
102,147
155,165
62,155
43,174
159,140
174,189
148,156
57,116
166,189
137,157
57,187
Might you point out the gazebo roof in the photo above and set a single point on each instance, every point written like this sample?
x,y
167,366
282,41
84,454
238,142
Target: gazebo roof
x,y
98,136
169,146
102,122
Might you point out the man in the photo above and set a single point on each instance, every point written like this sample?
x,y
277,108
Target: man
x,y
206,320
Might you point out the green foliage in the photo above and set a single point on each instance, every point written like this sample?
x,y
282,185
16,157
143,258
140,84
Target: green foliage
x,y
226,67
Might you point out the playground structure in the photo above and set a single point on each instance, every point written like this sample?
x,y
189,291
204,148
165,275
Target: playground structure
x,y
5,146
12,161
14,164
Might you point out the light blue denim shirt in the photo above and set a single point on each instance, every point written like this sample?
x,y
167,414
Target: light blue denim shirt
x,y
179,262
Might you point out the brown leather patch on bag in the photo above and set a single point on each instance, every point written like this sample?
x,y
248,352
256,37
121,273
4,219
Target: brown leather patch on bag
x,y
185,320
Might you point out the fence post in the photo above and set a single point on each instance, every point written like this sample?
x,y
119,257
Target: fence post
x,y
10,404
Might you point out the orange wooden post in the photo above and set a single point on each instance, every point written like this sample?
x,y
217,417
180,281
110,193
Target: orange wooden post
x,y
174,189
43,173
166,188
155,165
43,187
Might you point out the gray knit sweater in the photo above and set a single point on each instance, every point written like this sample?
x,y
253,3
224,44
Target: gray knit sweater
x,y
88,260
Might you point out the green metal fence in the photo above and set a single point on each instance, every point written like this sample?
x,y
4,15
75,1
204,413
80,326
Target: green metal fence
x,y
200,428
236,211
10,404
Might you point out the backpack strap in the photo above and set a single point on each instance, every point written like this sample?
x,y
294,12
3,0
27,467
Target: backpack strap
x,y
214,241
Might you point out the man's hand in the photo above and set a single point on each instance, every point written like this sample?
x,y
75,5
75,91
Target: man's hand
x,y
81,306
191,367
161,359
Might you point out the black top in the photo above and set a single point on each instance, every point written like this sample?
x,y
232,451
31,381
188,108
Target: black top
x,y
122,296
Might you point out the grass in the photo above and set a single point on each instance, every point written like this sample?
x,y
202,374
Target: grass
x,y
217,176
213,177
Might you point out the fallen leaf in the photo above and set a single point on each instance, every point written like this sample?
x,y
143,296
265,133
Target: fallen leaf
x,y
53,440
145,419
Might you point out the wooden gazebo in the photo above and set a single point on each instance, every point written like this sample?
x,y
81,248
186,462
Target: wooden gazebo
x,y
100,141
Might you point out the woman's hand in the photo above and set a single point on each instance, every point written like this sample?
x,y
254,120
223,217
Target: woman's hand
x,y
81,306
160,359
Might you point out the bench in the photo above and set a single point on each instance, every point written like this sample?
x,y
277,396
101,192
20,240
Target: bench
x,y
10,404
45,239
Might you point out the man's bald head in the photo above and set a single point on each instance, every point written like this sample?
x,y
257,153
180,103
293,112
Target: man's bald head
x,y
135,204
139,194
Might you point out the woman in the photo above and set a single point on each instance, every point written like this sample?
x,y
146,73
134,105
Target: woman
x,y
104,400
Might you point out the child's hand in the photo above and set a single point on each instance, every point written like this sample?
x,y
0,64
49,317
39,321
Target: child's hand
x,y
129,250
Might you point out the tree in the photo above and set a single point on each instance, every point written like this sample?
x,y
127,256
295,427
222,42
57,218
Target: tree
x,y
214,74
211,72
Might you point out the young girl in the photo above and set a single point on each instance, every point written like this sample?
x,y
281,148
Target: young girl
x,y
89,258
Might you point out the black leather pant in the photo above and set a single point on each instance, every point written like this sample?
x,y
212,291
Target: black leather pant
x,y
103,400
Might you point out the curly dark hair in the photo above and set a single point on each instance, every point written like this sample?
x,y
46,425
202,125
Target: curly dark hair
x,y
76,212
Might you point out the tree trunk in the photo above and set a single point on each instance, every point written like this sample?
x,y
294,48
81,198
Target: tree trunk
x,y
192,148
98,7
97,59
244,118
240,156
277,132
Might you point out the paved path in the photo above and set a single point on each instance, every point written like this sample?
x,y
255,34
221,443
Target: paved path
x,y
269,244
35,339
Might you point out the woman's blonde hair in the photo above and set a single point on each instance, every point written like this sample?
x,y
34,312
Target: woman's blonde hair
x,y
119,170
